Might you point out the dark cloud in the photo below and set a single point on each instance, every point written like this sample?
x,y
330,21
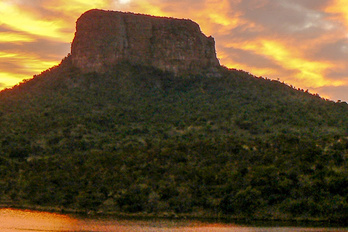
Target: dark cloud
x,y
336,50
42,48
258,61
182,5
285,18
48,50
271,15
13,65
338,74
334,92
312,4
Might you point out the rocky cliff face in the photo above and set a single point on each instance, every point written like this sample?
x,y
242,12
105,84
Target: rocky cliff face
x,y
105,38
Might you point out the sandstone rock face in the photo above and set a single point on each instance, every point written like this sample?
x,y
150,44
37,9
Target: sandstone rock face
x,y
105,38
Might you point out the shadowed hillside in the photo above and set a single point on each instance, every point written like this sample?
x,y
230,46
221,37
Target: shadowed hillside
x,y
137,139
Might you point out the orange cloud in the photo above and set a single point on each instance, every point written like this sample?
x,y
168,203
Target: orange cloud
x,y
309,73
12,37
340,10
257,71
10,79
217,13
16,18
211,15
147,7
75,7
26,26
26,65
28,61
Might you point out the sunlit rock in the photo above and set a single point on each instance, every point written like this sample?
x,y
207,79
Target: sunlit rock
x,y
106,38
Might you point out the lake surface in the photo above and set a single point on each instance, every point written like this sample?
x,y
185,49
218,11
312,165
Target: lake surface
x,y
13,220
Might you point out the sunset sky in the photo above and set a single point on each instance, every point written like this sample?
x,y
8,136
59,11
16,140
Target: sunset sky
x,y
301,42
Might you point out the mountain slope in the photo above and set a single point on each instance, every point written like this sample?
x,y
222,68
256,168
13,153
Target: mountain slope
x,y
137,139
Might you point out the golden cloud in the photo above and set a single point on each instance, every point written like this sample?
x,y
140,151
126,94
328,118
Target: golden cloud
x,y
26,25
308,72
75,7
27,64
8,79
20,20
148,7
12,37
340,10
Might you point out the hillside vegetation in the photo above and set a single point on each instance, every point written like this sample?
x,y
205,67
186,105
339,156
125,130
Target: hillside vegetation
x,y
137,139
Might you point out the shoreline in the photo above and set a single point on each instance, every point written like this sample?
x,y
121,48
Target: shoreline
x,y
202,217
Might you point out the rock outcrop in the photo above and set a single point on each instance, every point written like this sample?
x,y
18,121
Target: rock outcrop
x,y
105,38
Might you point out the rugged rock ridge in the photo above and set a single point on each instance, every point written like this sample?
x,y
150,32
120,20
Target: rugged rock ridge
x,y
105,38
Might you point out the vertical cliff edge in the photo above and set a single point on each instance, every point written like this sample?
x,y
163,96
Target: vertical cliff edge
x,y
105,38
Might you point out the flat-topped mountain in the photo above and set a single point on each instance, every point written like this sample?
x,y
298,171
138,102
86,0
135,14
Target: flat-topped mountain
x,y
105,38
133,122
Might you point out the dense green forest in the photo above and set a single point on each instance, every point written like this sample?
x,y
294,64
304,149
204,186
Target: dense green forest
x,y
137,139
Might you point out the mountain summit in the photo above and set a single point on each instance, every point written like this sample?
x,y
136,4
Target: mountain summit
x,y
105,38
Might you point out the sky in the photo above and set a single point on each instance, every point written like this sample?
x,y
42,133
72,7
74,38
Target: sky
x,y
303,43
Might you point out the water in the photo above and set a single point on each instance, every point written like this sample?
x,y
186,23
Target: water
x,y
12,220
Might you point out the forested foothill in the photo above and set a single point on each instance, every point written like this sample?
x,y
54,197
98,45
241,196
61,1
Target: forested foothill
x,y
140,140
